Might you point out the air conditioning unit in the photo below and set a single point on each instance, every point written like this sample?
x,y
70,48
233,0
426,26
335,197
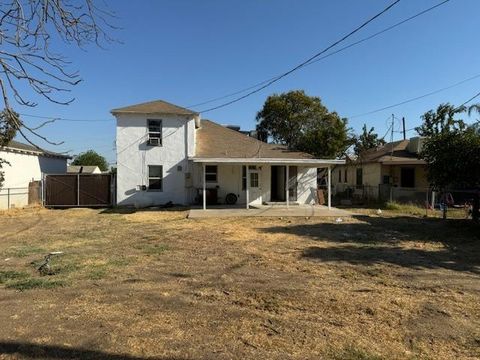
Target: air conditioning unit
x,y
154,141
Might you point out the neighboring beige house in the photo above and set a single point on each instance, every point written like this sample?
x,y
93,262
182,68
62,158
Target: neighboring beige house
x,y
375,172
81,169
27,163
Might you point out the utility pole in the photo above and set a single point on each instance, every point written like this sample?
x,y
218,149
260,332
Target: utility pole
x,y
404,131
391,132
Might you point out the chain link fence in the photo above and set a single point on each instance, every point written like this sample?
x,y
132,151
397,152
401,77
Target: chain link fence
x,y
14,197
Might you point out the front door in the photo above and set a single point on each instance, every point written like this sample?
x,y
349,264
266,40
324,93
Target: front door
x,y
254,187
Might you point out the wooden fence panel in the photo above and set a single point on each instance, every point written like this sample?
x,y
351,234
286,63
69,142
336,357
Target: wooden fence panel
x,y
61,190
70,190
95,190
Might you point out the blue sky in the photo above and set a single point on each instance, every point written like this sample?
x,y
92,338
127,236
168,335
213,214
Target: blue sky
x,y
189,51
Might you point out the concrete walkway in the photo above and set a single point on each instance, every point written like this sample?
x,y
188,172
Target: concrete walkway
x,y
267,210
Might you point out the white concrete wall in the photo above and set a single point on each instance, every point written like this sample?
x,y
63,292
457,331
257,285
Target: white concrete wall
x,y
24,168
307,185
134,156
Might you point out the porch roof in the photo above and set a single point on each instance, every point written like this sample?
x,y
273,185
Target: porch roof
x,y
272,161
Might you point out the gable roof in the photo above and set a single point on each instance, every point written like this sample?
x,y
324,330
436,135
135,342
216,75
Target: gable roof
x,y
154,107
391,153
216,141
16,146
83,169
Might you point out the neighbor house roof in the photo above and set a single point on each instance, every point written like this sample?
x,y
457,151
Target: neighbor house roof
x,y
154,107
80,169
217,142
390,154
16,146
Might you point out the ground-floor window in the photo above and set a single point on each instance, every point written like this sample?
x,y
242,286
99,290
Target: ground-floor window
x,y
155,177
211,172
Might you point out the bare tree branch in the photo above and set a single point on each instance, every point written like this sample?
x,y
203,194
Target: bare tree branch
x,y
28,31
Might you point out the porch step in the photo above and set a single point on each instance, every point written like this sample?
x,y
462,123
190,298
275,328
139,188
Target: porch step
x,y
281,203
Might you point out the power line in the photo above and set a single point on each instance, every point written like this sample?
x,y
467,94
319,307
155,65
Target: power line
x,y
278,76
418,98
472,98
327,55
304,62
64,119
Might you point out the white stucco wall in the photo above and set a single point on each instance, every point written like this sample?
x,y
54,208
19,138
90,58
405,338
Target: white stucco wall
x,y
24,168
134,156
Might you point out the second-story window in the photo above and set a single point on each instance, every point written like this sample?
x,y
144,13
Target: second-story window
x,y
154,132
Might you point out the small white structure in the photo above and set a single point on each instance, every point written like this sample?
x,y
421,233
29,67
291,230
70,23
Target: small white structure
x,y
27,163
166,153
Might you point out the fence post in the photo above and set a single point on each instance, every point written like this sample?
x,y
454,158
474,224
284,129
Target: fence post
x,y
78,189
8,198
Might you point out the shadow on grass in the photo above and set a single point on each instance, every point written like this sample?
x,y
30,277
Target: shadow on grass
x,y
133,210
49,352
378,240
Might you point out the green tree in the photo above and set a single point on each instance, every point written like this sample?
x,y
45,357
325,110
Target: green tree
x,y
451,151
303,123
91,158
442,120
368,139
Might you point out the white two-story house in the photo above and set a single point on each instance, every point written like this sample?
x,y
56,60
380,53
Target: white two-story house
x,y
166,153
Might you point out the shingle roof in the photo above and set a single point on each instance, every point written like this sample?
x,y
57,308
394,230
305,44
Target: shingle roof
x,y
216,141
394,152
15,145
82,169
154,107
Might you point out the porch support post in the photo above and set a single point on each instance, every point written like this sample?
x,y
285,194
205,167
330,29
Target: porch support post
x,y
247,193
287,176
204,193
329,188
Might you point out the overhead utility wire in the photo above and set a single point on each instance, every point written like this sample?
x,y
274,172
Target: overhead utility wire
x,y
64,119
305,62
327,55
416,98
272,78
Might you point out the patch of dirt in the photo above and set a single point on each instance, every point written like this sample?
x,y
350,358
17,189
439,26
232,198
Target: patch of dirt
x,y
154,284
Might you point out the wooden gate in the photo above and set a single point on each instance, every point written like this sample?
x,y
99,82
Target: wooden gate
x,y
77,190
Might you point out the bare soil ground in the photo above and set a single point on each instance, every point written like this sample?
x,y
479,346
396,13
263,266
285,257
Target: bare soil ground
x,y
157,285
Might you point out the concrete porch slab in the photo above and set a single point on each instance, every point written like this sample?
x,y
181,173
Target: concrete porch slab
x,y
268,211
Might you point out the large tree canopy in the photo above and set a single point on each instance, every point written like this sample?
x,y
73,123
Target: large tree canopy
x,y
91,158
368,139
451,150
442,120
303,123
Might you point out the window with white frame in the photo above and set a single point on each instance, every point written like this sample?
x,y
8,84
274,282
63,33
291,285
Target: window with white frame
x,y
211,173
155,177
154,132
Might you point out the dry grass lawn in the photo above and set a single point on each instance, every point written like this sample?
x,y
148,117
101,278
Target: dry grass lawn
x,y
157,285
